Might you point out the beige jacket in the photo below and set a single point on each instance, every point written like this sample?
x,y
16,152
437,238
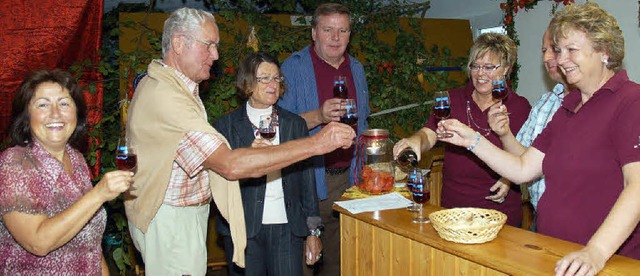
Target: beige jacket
x,y
161,112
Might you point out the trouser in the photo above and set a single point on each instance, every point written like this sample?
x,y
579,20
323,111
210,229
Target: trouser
x,y
336,186
175,242
273,251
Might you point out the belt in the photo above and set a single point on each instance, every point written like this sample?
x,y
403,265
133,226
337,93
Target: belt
x,y
336,171
204,202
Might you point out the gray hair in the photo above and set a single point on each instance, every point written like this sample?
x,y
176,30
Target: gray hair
x,y
183,21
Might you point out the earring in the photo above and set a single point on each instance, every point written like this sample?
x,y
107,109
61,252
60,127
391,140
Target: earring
x,y
605,61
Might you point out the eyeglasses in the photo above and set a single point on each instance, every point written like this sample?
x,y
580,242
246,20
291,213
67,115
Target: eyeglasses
x,y
267,80
487,69
210,45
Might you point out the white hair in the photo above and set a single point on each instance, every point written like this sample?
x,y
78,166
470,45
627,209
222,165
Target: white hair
x,y
185,21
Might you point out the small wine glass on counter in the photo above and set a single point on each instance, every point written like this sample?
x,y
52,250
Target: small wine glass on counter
x,y
421,194
267,128
442,109
411,180
126,157
350,116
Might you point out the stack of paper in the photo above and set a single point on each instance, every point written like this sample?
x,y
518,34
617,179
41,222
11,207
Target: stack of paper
x,y
383,202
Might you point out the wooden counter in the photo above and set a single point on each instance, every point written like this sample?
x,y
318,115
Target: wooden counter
x,y
388,243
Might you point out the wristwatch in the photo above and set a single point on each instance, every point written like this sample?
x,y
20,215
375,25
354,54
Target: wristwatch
x,y
316,232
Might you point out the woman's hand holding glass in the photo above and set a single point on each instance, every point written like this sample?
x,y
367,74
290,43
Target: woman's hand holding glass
x,y
499,119
463,135
114,183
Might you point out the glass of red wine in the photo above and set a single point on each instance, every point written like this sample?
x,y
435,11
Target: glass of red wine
x,y
421,194
442,109
340,87
350,116
499,91
411,181
268,126
126,158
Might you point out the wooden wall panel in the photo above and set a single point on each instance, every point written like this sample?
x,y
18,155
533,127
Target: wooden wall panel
x,y
400,255
348,245
381,251
365,249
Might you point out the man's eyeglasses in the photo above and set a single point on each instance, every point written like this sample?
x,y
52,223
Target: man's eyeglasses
x,y
267,80
488,69
210,45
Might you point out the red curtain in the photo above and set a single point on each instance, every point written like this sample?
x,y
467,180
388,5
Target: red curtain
x,y
45,35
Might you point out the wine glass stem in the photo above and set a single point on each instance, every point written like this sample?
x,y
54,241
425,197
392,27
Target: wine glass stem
x,y
420,211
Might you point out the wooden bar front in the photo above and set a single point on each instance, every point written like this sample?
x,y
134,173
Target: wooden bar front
x,y
388,243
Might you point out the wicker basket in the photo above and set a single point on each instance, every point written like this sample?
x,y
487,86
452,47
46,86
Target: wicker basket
x,y
468,225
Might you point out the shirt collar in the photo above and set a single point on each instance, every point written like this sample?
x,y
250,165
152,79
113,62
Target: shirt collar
x,y
612,85
191,85
558,90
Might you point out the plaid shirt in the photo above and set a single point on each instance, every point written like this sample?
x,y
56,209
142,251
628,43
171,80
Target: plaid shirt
x,y
189,184
540,115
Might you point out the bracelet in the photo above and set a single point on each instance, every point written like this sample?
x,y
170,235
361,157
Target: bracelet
x,y
475,142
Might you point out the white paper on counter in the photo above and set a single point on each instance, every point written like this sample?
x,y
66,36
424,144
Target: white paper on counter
x,y
382,202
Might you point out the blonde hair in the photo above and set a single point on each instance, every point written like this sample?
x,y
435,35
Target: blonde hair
x,y
498,44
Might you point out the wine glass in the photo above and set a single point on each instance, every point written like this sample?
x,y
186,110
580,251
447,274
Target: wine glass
x,y
420,193
340,87
267,128
411,180
499,91
350,116
126,158
442,109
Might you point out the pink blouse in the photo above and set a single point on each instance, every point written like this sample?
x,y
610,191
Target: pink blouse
x,y
33,182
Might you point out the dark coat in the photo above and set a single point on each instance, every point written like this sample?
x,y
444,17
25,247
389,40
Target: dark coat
x,y
298,180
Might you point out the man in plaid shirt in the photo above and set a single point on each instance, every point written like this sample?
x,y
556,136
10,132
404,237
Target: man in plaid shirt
x,y
183,162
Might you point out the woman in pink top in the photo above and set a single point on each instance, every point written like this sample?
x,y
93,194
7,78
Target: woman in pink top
x,y
590,149
51,217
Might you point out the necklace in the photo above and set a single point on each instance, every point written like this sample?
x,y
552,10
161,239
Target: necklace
x,y
471,120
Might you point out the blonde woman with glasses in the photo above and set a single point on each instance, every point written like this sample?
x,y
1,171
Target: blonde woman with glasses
x,y
467,181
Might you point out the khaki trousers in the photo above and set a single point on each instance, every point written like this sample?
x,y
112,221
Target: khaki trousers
x,y
175,242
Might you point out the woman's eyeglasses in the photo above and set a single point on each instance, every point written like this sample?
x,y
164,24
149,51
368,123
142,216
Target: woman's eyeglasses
x,y
488,69
267,80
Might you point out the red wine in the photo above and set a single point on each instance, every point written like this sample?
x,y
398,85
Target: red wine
x,y
442,112
352,121
499,91
267,135
126,162
414,182
340,90
421,197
